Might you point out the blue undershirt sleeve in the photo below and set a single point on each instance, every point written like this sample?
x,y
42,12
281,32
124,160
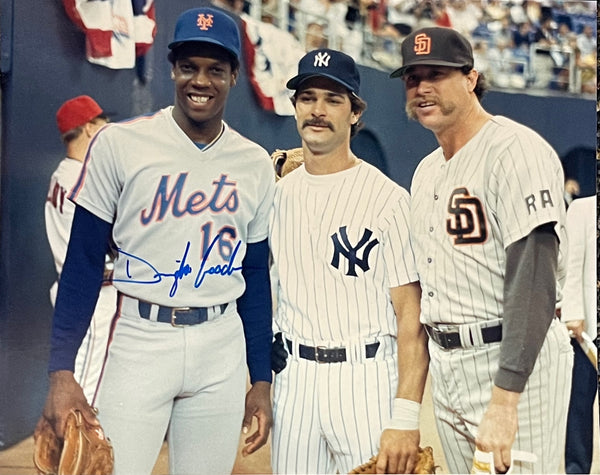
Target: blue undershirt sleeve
x,y
79,287
255,308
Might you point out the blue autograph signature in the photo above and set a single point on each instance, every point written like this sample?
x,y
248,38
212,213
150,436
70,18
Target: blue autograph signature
x,y
183,270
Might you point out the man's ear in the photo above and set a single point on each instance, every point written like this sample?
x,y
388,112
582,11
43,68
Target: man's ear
x,y
234,77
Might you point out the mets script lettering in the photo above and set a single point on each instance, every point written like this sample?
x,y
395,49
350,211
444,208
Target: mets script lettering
x,y
223,197
346,249
141,271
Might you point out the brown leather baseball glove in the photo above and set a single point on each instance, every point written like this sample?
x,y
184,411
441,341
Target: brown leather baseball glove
x,y
286,161
425,463
85,449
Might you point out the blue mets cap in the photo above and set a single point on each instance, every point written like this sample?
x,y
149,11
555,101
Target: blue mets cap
x,y
328,63
207,25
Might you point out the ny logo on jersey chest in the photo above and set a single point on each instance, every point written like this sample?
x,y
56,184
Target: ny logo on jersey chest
x,y
343,247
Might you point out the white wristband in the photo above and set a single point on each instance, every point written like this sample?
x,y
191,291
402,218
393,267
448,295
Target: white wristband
x,y
405,415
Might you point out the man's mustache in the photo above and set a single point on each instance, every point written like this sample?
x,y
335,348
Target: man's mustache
x,y
317,123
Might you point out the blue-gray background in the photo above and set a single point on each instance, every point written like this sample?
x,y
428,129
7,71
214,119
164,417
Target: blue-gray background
x,y
43,63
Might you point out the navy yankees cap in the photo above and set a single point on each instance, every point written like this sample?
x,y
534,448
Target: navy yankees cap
x,y
435,46
207,25
331,64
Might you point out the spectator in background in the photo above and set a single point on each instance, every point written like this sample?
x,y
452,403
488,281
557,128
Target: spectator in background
x,y
578,312
464,15
431,13
400,15
572,190
586,41
523,36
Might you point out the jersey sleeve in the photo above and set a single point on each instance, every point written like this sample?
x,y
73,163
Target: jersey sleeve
x,y
526,185
258,227
398,253
99,185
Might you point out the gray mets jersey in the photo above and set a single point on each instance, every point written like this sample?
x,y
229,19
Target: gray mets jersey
x,y
187,212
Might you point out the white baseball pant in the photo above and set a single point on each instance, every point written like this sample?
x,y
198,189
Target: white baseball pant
x,y
190,381
462,383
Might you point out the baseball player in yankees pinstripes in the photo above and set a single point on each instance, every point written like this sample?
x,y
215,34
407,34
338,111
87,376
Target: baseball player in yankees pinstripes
x,y
347,298
187,201
78,120
487,217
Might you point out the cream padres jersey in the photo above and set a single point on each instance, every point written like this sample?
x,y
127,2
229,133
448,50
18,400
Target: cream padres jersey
x,y
339,243
466,211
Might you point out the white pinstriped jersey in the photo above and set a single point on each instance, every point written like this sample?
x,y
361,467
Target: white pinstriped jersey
x,y
339,243
466,211
185,215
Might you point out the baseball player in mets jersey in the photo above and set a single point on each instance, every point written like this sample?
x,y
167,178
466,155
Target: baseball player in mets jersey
x,y
347,296
487,218
78,120
186,200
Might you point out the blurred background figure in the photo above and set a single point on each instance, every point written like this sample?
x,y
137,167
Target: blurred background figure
x,y
578,312
78,120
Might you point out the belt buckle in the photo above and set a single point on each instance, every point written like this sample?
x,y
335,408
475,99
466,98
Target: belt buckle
x,y
320,348
451,340
174,315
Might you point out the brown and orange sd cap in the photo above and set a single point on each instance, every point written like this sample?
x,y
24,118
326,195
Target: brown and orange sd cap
x,y
435,46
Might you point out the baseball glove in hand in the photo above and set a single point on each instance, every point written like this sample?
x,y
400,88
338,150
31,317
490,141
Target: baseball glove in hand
x,y
425,463
84,451
286,161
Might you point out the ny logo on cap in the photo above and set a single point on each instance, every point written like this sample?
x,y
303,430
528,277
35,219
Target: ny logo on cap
x,y
322,59
422,44
204,22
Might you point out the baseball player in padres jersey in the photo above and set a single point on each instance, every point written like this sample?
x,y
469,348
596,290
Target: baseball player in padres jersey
x,y
78,120
186,201
347,294
487,217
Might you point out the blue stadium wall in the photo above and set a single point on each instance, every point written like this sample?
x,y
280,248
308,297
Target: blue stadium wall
x,y
42,63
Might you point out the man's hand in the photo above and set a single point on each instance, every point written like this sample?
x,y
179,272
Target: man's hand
x,y
65,394
576,328
498,428
398,451
258,404
279,354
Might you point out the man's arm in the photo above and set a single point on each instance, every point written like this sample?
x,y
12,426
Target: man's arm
x,y
573,303
255,308
399,445
78,291
529,302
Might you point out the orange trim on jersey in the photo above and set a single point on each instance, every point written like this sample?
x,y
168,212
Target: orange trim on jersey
x,y
113,325
79,184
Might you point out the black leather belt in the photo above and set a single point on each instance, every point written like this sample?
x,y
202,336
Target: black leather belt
x,y
179,316
321,354
450,340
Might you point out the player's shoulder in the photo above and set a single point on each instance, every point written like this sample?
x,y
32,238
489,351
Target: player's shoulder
x,y
152,121
379,178
238,143
505,130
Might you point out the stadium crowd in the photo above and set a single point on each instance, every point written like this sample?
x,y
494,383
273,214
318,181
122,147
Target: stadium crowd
x,y
533,44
